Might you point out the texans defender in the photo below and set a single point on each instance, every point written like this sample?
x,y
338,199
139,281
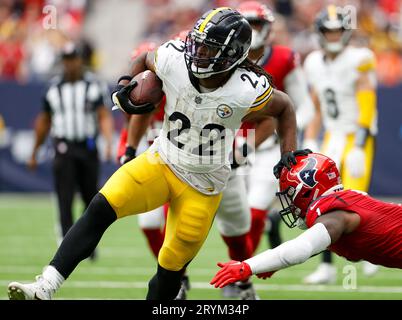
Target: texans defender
x,y
210,87
282,63
343,84
347,222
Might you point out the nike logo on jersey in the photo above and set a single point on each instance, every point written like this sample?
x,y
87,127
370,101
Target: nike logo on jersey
x,y
313,206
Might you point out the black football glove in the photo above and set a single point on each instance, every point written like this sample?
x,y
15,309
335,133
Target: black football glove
x,y
128,155
121,100
288,159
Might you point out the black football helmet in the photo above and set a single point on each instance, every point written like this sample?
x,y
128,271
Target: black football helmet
x,y
332,19
219,41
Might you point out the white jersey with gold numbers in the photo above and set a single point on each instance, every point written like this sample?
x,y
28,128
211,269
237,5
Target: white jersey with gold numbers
x,y
198,129
335,83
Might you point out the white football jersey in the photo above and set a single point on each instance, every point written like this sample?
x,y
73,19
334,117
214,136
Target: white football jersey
x,y
199,128
335,83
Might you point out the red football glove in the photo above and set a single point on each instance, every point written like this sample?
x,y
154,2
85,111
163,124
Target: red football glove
x,y
265,275
231,271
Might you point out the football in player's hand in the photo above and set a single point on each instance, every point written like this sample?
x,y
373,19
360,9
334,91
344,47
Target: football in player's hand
x,y
147,90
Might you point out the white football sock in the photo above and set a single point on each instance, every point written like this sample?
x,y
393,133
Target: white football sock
x,y
53,276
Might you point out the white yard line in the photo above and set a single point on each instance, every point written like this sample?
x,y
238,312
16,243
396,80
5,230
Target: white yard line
x,y
148,271
206,286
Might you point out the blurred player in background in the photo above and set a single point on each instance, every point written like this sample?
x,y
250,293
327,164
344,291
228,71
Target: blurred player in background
x,y
284,66
74,109
343,83
347,222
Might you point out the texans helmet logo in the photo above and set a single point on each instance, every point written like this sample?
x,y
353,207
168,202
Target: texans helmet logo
x,y
307,174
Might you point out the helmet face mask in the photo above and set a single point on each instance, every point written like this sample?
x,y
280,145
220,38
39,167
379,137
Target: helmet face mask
x,y
259,34
205,58
289,213
219,41
334,46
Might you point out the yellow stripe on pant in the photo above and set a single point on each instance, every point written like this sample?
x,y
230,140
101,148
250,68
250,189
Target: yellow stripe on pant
x,y
348,181
146,183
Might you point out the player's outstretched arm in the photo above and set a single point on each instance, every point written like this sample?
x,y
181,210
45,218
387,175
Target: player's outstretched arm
x,y
325,231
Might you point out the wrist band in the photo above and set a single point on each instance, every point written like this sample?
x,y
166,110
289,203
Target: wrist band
x,y
130,151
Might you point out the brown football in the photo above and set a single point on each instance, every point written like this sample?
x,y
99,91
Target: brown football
x,y
148,89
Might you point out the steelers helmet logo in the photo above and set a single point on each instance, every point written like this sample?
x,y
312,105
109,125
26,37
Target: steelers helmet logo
x,y
224,111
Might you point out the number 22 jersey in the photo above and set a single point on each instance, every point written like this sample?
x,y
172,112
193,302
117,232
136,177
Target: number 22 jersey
x,y
198,130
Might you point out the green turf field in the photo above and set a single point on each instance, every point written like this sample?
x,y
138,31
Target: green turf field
x,y
124,265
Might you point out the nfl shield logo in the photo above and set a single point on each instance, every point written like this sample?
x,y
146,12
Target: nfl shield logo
x,y
224,111
197,100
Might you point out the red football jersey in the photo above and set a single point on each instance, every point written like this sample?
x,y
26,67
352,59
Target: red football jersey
x,y
378,238
279,62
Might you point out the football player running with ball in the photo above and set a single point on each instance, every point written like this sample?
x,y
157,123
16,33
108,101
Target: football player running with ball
x,y
343,84
210,88
347,222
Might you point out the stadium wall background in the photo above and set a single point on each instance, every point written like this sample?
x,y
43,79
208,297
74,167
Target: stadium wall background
x,y
20,104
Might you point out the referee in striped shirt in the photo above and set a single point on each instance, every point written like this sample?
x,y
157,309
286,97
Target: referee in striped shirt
x,y
73,111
